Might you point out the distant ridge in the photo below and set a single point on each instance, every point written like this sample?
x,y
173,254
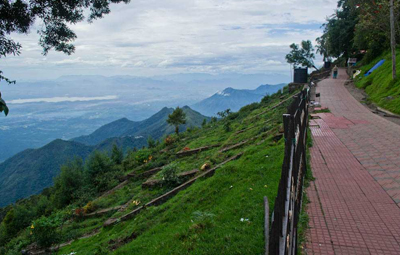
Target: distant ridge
x,y
32,170
234,99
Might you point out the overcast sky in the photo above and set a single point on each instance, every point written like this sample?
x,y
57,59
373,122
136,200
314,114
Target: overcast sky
x,y
149,37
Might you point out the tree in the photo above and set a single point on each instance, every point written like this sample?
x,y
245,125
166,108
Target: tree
x,y
68,183
117,155
204,123
176,118
150,142
99,171
224,114
303,56
338,36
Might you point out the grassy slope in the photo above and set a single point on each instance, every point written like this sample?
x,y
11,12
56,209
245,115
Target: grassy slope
x,y
206,217
379,84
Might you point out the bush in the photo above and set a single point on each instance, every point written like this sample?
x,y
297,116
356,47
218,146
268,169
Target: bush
x,y
169,140
45,231
169,176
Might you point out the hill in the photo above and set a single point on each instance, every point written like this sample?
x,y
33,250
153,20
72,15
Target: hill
x,y
233,99
380,87
32,170
155,126
217,210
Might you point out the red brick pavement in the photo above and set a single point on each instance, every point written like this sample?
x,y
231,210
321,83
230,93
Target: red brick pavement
x,y
355,160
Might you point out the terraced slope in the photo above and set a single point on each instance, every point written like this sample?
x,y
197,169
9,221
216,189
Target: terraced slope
x,y
217,209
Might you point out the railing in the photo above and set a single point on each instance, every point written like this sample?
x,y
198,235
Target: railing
x,y
285,218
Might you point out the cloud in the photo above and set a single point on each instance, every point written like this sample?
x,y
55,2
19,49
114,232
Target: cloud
x,y
61,99
149,37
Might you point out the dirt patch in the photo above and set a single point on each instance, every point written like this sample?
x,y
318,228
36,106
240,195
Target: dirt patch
x,y
361,96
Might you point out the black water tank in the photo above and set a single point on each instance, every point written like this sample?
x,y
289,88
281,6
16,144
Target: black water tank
x,y
300,75
327,64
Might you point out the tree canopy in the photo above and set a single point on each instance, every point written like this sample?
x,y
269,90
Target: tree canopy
x,y
302,55
358,26
176,118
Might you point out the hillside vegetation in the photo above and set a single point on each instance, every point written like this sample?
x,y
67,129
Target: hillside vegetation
x,y
239,157
32,170
379,85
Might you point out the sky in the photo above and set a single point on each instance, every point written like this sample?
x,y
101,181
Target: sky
x,y
149,37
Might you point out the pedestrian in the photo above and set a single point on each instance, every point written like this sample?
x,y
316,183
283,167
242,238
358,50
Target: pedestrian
x,y
335,72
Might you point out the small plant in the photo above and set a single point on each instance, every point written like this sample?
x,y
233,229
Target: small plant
x,y
169,140
89,207
169,176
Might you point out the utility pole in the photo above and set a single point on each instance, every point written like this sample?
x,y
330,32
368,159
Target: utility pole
x,y
393,39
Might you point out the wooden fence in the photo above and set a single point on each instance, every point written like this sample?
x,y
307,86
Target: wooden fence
x,y
285,218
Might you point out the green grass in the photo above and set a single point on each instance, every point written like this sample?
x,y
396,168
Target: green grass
x,y
326,110
380,87
304,218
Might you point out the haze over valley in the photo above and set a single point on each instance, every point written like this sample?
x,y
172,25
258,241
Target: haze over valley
x,y
71,106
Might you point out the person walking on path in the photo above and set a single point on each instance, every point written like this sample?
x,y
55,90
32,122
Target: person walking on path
x,y
335,72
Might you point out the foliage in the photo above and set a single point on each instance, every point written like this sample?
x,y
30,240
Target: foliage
x,y
99,171
227,126
150,142
169,175
117,155
224,114
68,183
45,230
204,123
372,31
176,118
169,140
338,36
303,56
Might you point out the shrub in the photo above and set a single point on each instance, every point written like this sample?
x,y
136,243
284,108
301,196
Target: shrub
x,y
227,126
169,140
89,207
169,176
45,231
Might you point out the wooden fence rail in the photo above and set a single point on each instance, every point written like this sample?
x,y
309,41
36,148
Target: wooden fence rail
x,y
285,218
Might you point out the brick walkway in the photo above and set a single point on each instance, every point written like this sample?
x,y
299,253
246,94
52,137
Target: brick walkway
x,y
355,159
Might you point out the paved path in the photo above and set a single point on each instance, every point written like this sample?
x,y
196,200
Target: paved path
x,y
355,159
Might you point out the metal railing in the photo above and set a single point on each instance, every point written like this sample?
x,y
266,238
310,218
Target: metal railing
x,y
287,209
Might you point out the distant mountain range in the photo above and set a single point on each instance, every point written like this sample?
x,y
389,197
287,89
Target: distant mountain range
x,y
32,170
234,99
